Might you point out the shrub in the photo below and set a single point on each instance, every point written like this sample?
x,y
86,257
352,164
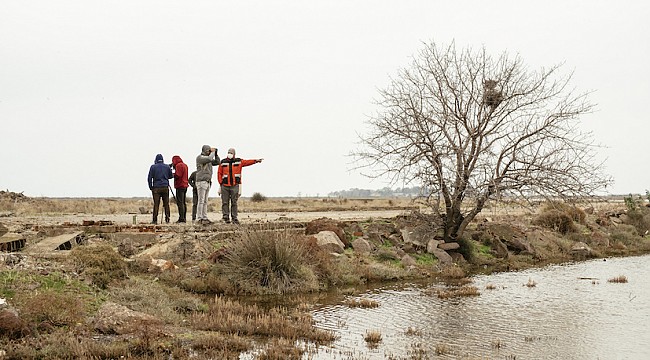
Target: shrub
x,y
576,214
52,308
625,234
269,262
640,219
556,220
101,263
257,197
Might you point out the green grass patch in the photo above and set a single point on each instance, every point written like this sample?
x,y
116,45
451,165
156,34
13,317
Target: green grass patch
x,y
425,259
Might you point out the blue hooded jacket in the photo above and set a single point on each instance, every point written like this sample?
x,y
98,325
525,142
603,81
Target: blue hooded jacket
x,y
159,174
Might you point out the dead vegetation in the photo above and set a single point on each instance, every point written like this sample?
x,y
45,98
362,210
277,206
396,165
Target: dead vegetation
x,y
266,262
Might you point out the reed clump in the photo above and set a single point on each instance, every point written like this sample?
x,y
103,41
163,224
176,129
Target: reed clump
x,y
462,291
229,316
361,303
621,279
372,338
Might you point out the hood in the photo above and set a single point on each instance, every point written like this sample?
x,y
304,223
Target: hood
x,y
205,150
232,151
159,158
176,160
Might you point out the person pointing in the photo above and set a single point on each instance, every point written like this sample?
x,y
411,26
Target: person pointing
x,y
229,177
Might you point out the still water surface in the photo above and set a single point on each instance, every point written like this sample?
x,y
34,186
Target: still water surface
x,y
572,312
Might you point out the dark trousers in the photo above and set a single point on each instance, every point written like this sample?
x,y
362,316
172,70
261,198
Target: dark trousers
x,y
160,192
195,200
229,197
180,203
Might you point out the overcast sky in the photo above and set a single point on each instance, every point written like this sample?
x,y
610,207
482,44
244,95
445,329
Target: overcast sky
x,y
92,90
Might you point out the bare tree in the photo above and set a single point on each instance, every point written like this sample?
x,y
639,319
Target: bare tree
x,y
472,128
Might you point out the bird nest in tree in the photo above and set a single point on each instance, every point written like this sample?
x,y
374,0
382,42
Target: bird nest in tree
x,y
491,97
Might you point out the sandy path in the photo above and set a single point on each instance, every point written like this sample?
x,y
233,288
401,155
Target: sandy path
x,y
245,217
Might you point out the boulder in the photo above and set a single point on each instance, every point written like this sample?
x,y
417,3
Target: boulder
x,y
113,318
326,224
449,246
581,249
408,261
458,258
3,229
418,236
361,246
432,245
443,257
329,241
499,247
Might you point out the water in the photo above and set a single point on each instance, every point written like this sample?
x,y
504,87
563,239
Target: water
x,y
561,317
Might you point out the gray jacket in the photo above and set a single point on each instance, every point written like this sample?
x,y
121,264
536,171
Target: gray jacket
x,y
204,163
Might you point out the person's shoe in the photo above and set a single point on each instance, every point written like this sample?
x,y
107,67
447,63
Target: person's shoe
x,y
235,221
166,220
206,222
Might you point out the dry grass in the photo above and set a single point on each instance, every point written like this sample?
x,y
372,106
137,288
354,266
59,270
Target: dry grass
x,y
453,272
100,263
531,283
232,317
361,303
372,338
99,206
269,262
490,287
282,349
462,291
411,331
621,279
442,349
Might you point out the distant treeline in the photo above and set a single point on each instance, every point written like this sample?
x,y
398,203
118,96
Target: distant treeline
x,y
384,192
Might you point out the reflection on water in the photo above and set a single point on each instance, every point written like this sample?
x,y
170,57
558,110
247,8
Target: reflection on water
x,y
573,312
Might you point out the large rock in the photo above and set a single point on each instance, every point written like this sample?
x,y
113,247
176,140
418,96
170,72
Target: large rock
x,y
443,257
514,239
326,224
329,241
361,246
449,246
432,245
117,319
581,249
3,229
418,236
408,261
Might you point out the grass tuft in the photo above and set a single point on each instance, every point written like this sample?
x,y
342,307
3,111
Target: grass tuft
x,y
621,279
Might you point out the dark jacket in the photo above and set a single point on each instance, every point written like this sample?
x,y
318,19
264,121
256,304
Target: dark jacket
x,y
180,173
159,174
192,181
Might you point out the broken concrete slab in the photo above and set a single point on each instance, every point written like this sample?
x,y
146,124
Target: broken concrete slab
x,y
61,242
11,242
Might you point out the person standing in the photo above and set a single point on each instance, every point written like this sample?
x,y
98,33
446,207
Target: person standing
x,y
204,163
195,195
180,184
158,180
229,176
